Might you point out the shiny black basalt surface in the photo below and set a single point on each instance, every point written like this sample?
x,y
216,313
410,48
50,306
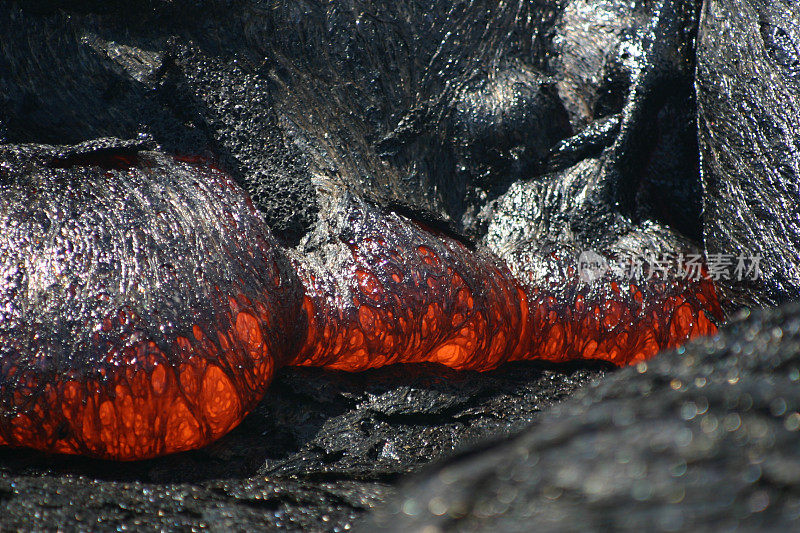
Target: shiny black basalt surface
x,y
508,124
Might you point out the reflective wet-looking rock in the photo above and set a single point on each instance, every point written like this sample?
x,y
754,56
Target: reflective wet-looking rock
x,y
510,128
748,88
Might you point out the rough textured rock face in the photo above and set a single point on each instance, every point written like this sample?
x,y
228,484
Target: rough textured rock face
x,y
703,438
169,73
523,126
748,87
436,108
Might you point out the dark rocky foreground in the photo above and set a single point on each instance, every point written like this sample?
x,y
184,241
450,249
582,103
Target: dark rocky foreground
x,y
320,450
514,125
703,438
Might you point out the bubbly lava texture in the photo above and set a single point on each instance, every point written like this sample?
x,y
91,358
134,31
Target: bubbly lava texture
x,y
398,292
145,306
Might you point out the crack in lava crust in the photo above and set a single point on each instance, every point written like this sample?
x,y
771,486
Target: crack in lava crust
x,y
145,307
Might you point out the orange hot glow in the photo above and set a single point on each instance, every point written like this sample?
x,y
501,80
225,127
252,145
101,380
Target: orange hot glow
x,y
415,296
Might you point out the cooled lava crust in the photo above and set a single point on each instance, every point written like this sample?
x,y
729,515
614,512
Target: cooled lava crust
x,y
145,305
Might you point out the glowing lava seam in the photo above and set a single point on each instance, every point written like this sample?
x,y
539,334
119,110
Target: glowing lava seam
x,y
145,309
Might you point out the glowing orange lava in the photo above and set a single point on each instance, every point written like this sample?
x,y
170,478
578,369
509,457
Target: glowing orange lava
x,y
402,294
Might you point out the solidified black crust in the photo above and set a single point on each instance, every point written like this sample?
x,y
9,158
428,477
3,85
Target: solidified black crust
x,y
748,86
185,73
437,107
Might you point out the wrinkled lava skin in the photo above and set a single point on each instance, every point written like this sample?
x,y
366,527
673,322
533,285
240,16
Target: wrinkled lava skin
x,y
144,310
146,304
747,91
404,293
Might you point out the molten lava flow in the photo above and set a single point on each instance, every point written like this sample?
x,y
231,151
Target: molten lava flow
x,y
181,353
414,295
408,295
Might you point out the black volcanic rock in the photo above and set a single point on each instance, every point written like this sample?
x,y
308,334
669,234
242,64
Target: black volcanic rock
x,y
748,87
436,109
509,123
702,438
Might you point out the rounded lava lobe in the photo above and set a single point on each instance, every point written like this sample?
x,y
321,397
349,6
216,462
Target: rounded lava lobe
x,y
149,307
461,308
600,320
407,294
